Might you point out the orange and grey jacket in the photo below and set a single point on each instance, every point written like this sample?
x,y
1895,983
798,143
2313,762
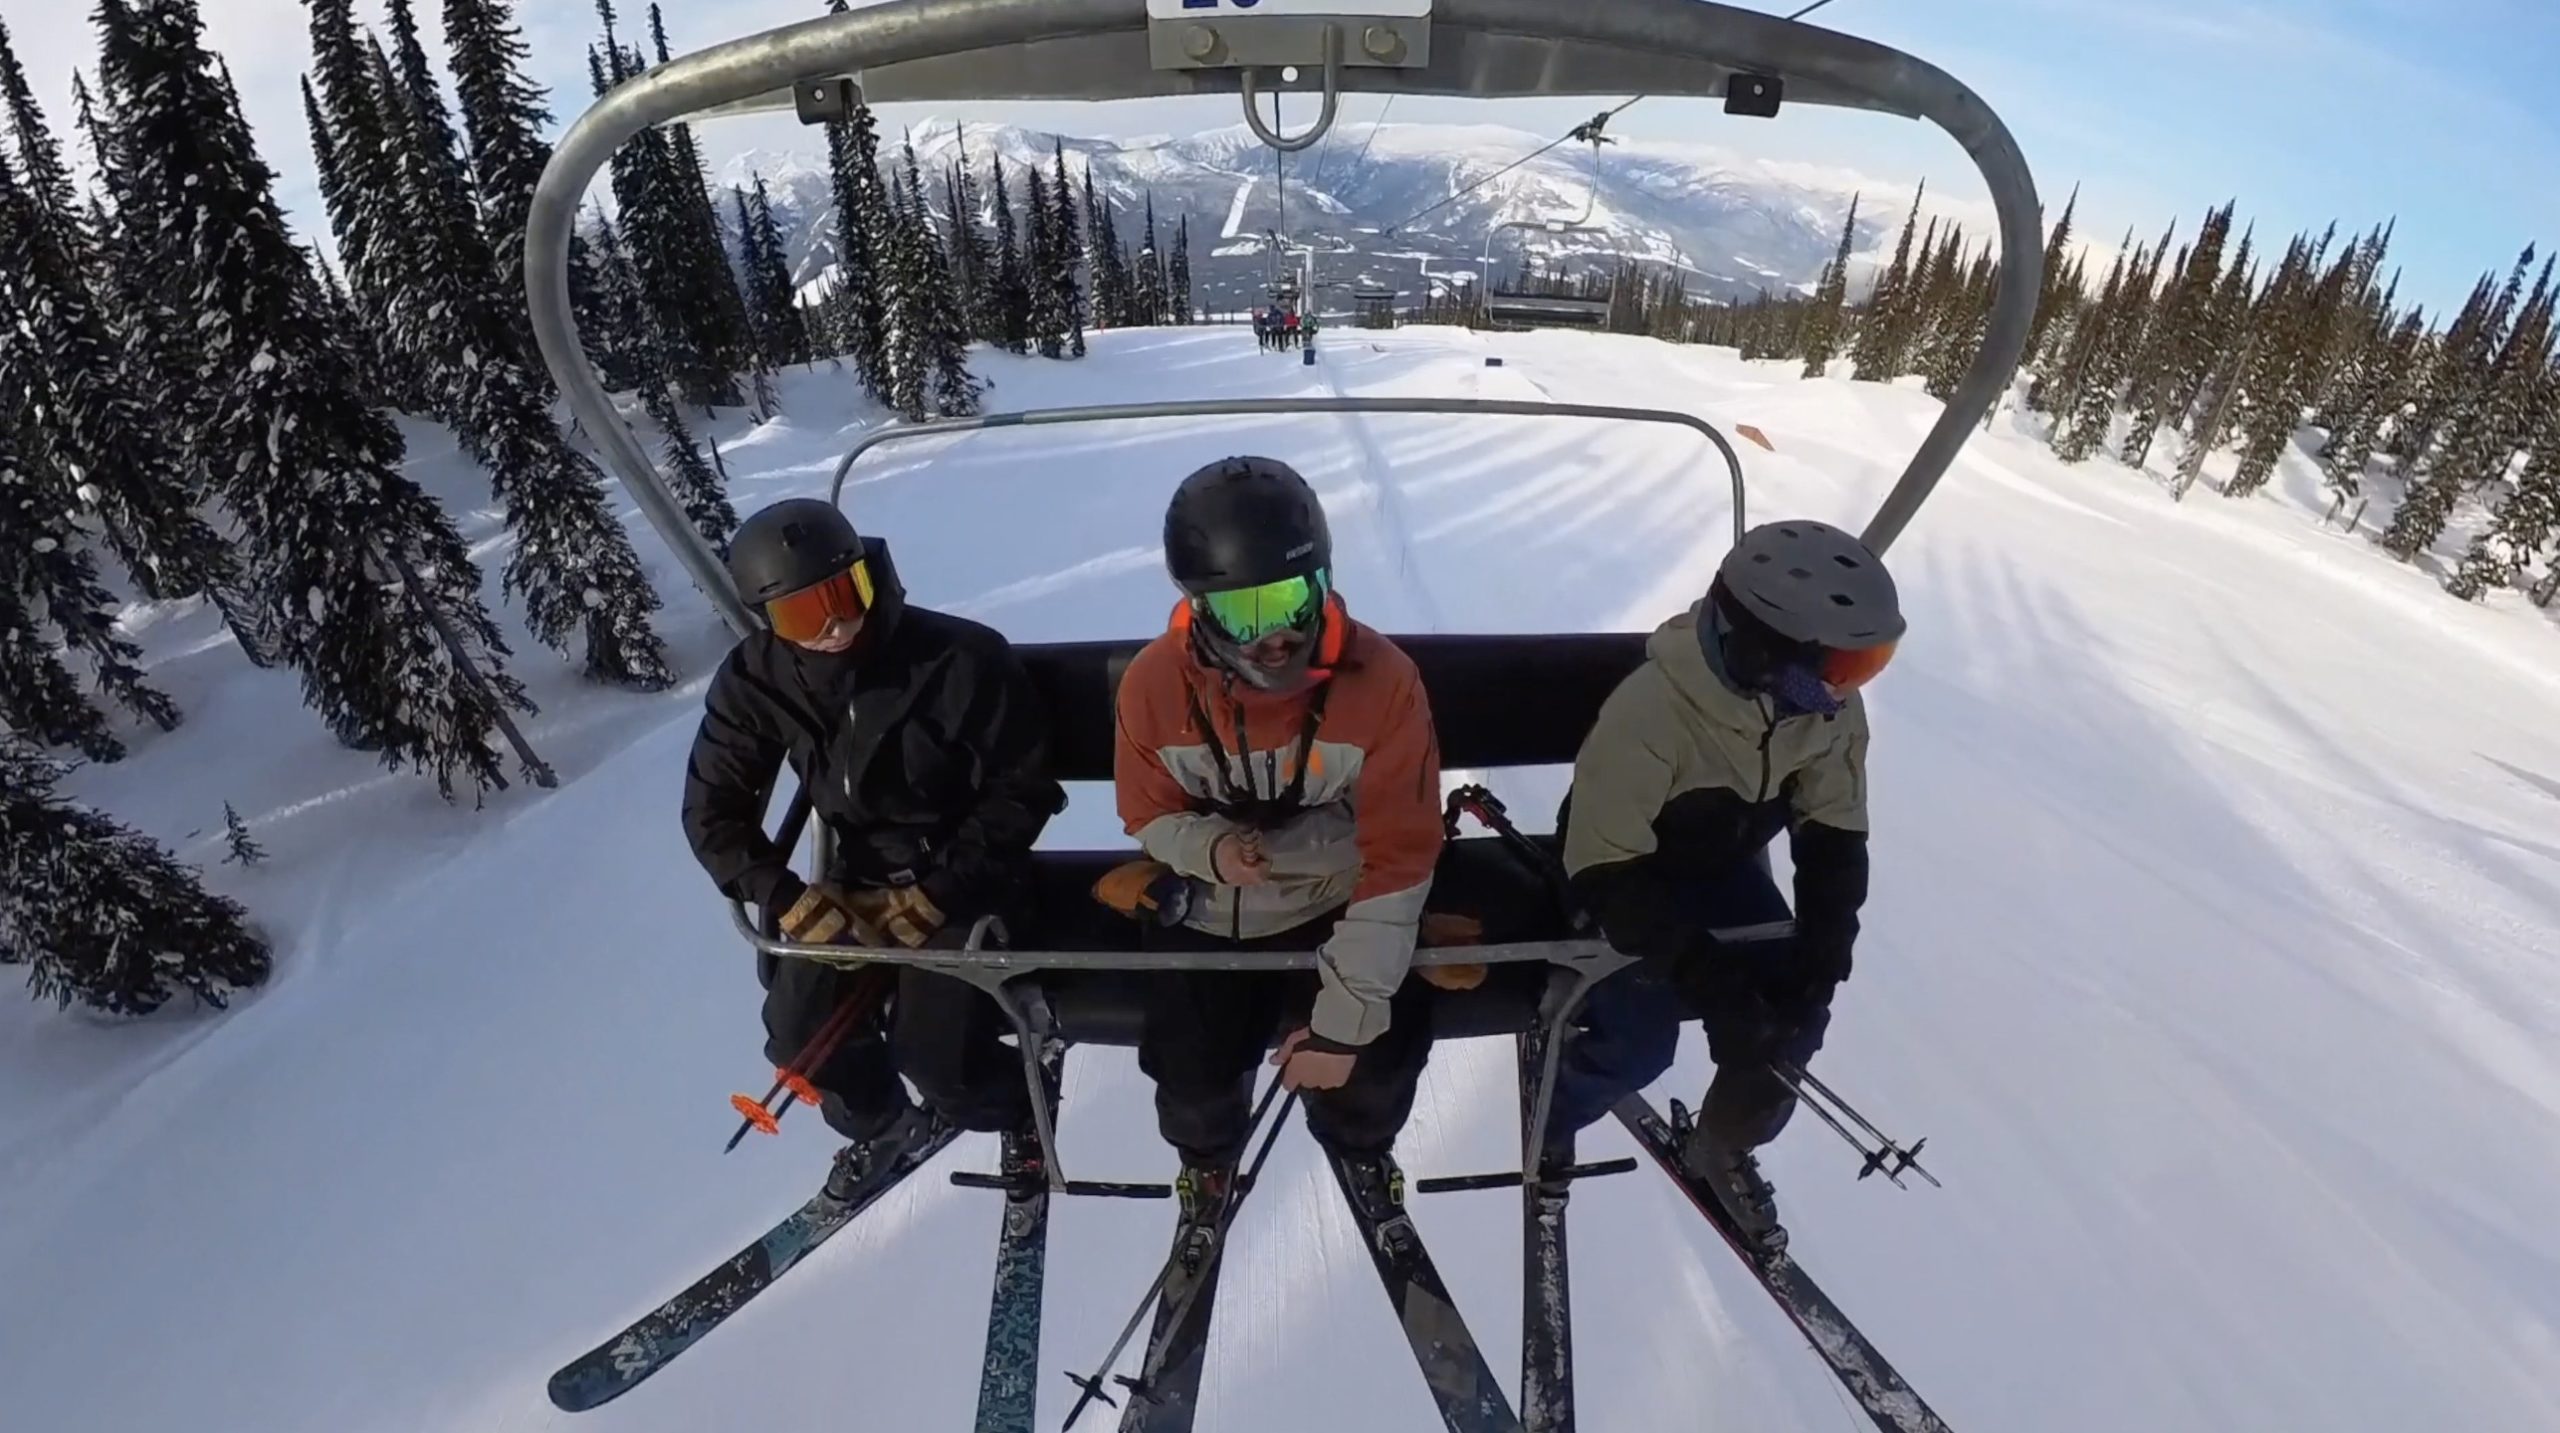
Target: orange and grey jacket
x,y
1202,756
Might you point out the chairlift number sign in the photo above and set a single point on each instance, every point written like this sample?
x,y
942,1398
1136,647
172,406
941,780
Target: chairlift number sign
x,y
1212,9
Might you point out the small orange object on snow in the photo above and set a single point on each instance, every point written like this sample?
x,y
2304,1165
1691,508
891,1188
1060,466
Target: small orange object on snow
x,y
1755,435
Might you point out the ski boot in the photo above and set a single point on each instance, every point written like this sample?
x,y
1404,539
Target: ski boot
x,y
1204,1191
1376,1183
1732,1174
1019,1162
864,1160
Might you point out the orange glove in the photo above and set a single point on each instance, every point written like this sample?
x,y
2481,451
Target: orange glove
x,y
826,916
1148,891
1453,977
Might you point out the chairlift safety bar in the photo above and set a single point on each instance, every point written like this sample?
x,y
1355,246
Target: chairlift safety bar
x,y
943,51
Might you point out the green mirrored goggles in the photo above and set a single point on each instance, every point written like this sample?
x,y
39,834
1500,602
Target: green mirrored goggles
x,y
1249,614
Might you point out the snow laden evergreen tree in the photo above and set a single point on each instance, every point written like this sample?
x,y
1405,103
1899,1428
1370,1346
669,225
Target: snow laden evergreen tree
x,y
2462,362
2525,522
103,438
675,245
360,188
696,483
1961,325
2061,289
240,848
726,330
1830,301
901,272
572,565
310,467
1013,271
782,334
2271,375
48,581
1041,261
941,325
624,345
1066,239
1177,283
2083,396
1110,268
1150,293
2369,402
1882,327
503,115
2175,361
103,915
861,205
972,262
2481,437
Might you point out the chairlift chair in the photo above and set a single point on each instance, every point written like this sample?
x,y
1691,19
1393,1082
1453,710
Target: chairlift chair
x,y
1073,978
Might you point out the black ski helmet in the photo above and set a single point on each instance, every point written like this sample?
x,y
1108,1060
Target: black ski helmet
x,y
1811,584
795,543
1241,522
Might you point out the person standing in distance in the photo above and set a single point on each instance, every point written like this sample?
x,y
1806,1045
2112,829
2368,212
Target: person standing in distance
x,y
924,747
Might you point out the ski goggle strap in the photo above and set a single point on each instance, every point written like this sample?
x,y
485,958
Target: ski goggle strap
x,y
800,616
1249,614
1849,670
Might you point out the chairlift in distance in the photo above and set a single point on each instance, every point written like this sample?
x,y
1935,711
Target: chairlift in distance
x,y
1521,306
1073,979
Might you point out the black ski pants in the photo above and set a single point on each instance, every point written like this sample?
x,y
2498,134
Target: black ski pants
x,y
941,1033
1206,1033
1629,1025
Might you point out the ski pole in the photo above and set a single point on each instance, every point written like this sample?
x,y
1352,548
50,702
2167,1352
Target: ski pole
x,y
1875,1158
1217,1245
792,1081
1904,1158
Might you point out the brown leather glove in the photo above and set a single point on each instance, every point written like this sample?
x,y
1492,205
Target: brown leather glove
x,y
904,913
1453,977
825,915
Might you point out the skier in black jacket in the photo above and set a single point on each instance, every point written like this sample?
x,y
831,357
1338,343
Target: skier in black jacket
x,y
924,748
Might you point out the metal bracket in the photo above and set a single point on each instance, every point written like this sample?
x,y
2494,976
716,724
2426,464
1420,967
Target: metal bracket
x,y
1324,118
1226,39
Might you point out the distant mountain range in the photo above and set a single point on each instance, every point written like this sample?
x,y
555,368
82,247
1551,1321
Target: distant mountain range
x,y
1735,227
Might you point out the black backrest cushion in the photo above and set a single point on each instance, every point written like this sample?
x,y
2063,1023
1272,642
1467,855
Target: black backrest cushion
x,y
1497,700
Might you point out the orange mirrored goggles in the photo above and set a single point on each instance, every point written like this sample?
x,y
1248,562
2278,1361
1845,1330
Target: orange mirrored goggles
x,y
801,616
1846,671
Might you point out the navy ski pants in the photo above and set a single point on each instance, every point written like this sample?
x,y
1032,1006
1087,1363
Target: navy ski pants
x,y
1629,1027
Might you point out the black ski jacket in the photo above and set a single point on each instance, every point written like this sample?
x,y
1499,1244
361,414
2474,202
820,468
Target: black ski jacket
x,y
925,748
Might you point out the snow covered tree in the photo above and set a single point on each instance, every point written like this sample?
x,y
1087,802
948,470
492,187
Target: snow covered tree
x,y
2175,361
2272,376
241,847
1066,251
972,260
503,115
45,578
2524,523
1040,263
103,437
2084,387
1882,328
1110,271
2061,288
573,564
1830,298
1149,291
2369,401
938,313
102,914
1013,273
1177,291
782,333
853,163
311,469
623,342
2504,402
696,483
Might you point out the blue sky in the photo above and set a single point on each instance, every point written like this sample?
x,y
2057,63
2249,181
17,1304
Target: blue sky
x,y
2442,112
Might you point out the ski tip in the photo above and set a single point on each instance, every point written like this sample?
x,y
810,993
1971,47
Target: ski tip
x,y
571,1394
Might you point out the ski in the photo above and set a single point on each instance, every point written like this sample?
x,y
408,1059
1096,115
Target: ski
x,y
1165,1396
1546,1313
1008,1392
619,1364
1008,1377
1878,1389
1454,1368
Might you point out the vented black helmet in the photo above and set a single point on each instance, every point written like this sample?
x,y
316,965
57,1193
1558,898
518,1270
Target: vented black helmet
x,y
1242,522
1811,583
796,543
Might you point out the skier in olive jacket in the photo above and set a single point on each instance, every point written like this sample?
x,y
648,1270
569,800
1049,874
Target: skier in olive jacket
x,y
1744,721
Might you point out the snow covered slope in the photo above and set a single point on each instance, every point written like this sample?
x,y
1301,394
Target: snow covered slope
x,y
2217,892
